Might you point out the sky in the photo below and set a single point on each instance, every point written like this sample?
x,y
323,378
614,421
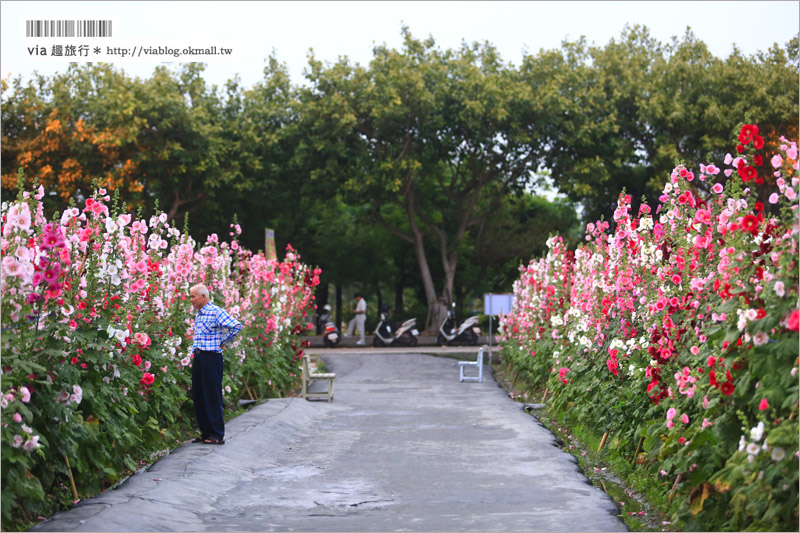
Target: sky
x,y
150,33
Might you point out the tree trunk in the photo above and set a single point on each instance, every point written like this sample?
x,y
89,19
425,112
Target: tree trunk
x,y
339,307
438,309
399,282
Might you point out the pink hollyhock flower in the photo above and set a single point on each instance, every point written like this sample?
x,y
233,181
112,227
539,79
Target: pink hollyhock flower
x,y
764,405
790,194
671,412
670,424
761,338
695,350
25,394
685,418
17,418
773,198
776,161
706,423
32,444
717,188
17,441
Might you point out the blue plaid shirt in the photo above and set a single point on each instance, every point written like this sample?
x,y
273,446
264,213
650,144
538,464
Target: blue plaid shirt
x,y
213,327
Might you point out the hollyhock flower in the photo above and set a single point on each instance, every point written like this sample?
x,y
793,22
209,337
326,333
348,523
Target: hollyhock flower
x,y
17,441
776,161
685,418
773,198
706,423
147,379
705,402
792,321
32,444
17,418
727,388
761,338
748,173
790,194
778,453
671,412
25,394
757,432
717,188
764,405
753,449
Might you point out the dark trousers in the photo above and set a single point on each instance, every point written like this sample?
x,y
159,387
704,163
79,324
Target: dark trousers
x,y
207,371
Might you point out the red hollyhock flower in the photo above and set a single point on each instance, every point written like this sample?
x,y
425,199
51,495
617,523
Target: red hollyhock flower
x,y
758,160
758,142
792,321
739,148
727,388
759,207
748,172
147,379
750,224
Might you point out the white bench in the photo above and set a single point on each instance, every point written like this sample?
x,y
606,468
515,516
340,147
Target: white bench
x,y
310,377
477,363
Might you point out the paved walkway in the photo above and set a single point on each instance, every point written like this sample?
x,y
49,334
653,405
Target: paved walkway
x,y
404,447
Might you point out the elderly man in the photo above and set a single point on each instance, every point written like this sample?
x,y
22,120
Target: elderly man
x,y
213,330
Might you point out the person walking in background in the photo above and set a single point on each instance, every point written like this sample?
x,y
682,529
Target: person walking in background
x,y
360,319
213,330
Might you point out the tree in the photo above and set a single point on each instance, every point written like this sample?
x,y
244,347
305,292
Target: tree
x,y
617,117
433,133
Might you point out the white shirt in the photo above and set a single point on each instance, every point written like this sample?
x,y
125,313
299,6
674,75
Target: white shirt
x,y
361,306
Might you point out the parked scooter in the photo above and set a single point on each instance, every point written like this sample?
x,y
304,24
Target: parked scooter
x,y
330,333
467,333
405,335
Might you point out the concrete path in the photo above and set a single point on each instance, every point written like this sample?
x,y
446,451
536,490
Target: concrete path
x,y
404,447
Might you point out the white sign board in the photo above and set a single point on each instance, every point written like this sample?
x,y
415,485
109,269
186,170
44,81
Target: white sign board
x,y
497,304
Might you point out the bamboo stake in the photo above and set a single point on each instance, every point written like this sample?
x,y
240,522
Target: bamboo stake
x,y
545,394
675,486
514,379
602,442
85,256
248,391
71,479
604,486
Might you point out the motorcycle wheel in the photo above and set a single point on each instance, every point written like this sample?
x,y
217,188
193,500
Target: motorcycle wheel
x,y
413,341
440,340
472,338
326,341
377,342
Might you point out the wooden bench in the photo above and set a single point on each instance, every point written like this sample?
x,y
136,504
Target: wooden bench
x,y
477,363
310,377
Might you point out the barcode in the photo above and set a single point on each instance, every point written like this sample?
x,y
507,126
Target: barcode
x,y
67,28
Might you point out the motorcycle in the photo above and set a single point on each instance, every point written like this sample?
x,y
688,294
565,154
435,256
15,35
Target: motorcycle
x,y
467,333
405,335
330,333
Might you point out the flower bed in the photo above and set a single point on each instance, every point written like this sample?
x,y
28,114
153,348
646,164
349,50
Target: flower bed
x,y
96,341
676,332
